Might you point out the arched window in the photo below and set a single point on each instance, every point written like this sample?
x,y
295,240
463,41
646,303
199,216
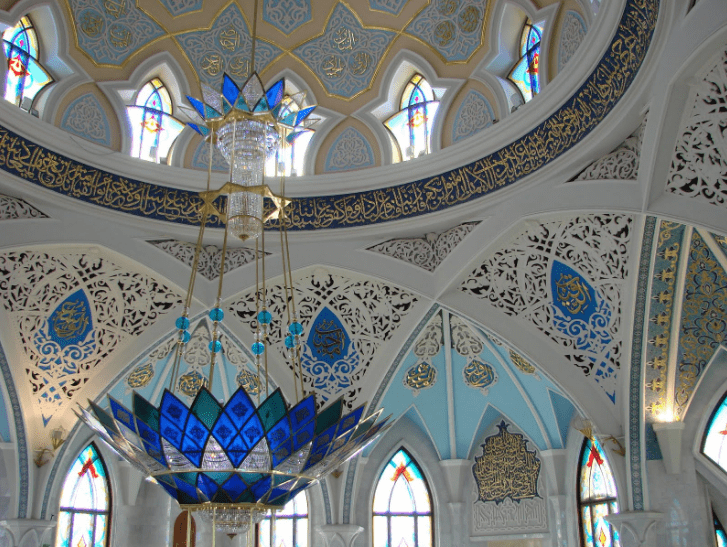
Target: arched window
x,y
596,497
526,72
290,158
411,127
402,505
719,533
152,125
714,444
85,510
25,76
291,526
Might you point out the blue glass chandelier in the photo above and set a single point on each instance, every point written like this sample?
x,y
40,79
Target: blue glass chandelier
x,y
235,461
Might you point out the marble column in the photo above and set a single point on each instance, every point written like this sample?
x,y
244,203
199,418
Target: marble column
x,y
636,528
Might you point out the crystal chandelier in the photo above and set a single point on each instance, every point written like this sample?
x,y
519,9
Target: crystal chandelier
x,y
235,461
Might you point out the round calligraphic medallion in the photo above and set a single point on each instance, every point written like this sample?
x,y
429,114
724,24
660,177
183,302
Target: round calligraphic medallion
x,y
140,376
249,382
190,383
421,376
521,363
479,375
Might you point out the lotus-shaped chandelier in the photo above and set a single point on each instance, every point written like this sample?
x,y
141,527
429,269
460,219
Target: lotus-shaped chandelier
x,y
234,461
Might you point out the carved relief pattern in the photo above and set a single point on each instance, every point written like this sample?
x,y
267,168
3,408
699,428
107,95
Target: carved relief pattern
x,y
427,252
209,257
226,47
180,7
86,118
509,516
72,312
392,6
201,158
349,151
571,35
286,15
703,320
345,57
515,280
14,209
110,31
621,164
661,308
423,374
699,164
473,115
370,312
453,28
466,342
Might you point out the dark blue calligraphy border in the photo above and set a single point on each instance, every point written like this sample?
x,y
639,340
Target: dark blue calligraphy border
x,y
580,114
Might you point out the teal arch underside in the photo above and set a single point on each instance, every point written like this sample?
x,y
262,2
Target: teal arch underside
x,y
582,113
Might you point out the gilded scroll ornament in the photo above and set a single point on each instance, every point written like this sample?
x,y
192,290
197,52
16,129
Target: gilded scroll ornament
x,y
140,376
249,381
190,383
506,469
421,376
521,363
479,375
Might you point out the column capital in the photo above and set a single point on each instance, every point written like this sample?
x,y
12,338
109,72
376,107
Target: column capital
x,y
20,528
638,524
345,533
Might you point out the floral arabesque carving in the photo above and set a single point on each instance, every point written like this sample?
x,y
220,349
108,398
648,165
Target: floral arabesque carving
x,y
515,279
426,252
210,257
571,35
621,164
423,375
71,312
15,208
370,311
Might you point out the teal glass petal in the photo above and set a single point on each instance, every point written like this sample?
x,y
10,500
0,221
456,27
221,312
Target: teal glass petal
x,y
329,416
206,408
262,105
272,409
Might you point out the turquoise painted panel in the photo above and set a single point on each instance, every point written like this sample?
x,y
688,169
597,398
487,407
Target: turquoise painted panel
x,y
200,159
453,29
346,56
473,115
563,410
180,7
4,421
86,118
391,6
351,150
110,32
226,48
490,417
286,15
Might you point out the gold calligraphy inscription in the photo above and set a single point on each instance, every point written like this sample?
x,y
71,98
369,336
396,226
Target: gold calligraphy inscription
x,y
119,36
360,63
191,383
70,320
572,293
345,39
478,374
115,8
521,363
447,7
249,382
91,24
506,469
141,376
240,66
229,38
329,339
333,66
469,18
212,64
420,376
444,33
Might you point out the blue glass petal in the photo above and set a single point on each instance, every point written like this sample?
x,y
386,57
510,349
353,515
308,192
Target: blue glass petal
x,y
199,106
239,408
106,420
192,451
188,490
324,438
230,90
174,409
253,431
312,460
236,451
303,412
195,127
170,490
234,487
304,435
260,488
206,408
303,114
155,453
222,497
122,414
218,476
281,453
207,486
224,431
149,435
275,93
292,136
349,421
171,432
279,433
196,431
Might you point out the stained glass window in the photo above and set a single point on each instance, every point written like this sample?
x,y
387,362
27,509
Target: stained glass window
x,y
290,528
153,128
526,73
596,497
290,158
719,533
25,76
714,442
402,505
83,520
411,127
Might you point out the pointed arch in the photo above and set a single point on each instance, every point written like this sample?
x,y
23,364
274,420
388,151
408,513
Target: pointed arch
x,y
25,76
597,497
402,504
526,72
85,509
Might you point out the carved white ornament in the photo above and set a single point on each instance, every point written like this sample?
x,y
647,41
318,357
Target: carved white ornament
x,y
515,279
621,164
370,311
86,119
349,151
427,252
429,343
209,256
474,115
123,304
699,164
509,517
464,340
14,209
571,36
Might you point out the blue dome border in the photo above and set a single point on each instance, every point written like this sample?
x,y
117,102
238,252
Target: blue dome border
x,y
573,121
